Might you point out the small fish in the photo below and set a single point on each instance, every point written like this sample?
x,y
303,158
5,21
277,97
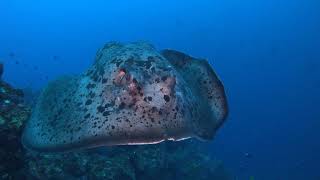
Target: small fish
x,y
248,155
55,57
12,54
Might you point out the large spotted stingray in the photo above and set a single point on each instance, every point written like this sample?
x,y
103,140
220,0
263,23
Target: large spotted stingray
x,y
132,94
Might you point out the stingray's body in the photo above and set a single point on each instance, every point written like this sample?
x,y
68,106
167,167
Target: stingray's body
x,y
132,94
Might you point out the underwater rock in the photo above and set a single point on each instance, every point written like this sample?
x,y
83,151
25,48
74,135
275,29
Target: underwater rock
x,y
9,98
132,94
13,115
186,160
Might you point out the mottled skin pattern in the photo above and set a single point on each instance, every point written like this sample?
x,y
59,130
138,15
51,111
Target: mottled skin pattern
x,y
132,94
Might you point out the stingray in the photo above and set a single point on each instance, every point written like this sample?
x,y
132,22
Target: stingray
x,y
131,95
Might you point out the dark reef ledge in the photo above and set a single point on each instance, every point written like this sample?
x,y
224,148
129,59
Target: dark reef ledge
x,y
13,115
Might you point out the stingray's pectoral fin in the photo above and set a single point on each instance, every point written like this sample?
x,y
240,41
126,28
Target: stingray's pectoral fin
x,y
52,119
207,88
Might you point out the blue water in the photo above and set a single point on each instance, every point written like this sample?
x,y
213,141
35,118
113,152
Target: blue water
x,y
266,53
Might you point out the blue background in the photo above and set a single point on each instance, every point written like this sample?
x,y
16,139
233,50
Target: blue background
x,y
266,53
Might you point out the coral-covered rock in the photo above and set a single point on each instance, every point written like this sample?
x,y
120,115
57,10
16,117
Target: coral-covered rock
x,y
13,115
180,160
10,98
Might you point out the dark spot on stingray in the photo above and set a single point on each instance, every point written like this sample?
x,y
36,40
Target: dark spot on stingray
x,y
100,109
118,63
151,58
166,98
104,80
153,109
164,78
157,80
113,127
88,102
175,116
60,111
106,113
122,105
152,119
109,105
114,60
148,65
177,108
101,70
92,94
87,116
95,78
134,80
89,72
90,86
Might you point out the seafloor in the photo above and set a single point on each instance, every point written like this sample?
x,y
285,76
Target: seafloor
x,y
187,160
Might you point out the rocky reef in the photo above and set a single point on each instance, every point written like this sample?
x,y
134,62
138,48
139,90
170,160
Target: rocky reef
x,y
13,115
179,160
189,159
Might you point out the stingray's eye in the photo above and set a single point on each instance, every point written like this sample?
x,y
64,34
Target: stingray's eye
x,y
122,77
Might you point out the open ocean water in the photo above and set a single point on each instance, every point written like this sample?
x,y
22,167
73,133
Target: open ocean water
x,y
266,54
